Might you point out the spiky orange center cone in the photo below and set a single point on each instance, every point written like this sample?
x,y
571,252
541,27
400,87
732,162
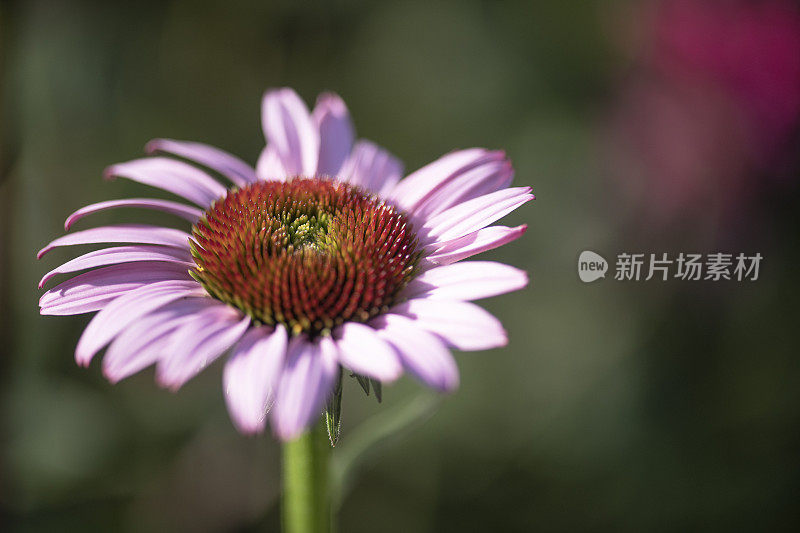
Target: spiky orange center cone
x,y
309,253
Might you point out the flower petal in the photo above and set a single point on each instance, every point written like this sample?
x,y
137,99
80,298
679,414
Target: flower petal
x,y
372,168
200,342
290,131
208,156
305,384
474,214
461,325
121,254
363,352
413,191
134,233
467,281
476,242
192,214
269,166
493,175
171,175
149,338
91,291
422,353
126,309
251,375
336,133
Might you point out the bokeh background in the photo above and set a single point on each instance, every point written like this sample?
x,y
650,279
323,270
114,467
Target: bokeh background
x,y
668,126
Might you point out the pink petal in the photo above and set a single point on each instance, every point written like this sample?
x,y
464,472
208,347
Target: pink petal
x,y
125,310
171,175
134,233
121,254
290,131
91,291
305,384
372,168
422,353
416,188
462,325
475,214
208,156
467,281
269,166
492,176
336,133
251,375
200,342
363,352
149,338
476,242
192,214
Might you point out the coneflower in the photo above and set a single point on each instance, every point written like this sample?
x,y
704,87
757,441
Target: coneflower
x,y
319,258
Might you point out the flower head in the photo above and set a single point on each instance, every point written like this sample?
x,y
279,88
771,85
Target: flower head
x,y
319,258
310,254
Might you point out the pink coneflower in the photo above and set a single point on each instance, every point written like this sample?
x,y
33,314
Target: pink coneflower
x,y
320,258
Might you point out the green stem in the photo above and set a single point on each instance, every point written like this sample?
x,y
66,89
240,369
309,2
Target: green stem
x,y
306,500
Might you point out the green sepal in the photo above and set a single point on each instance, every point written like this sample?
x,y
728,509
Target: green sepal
x,y
333,412
377,387
363,381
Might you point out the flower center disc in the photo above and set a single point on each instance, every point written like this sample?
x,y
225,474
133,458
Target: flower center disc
x,y
308,253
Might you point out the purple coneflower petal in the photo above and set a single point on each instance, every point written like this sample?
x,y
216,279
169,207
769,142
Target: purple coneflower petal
x,y
336,133
413,191
171,175
192,214
461,325
269,166
210,157
290,131
476,242
251,375
138,347
474,214
200,342
306,382
149,338
121,254
467,281
372,168
91,291
89,301
493,175
126,309
133,233
422,353
364,352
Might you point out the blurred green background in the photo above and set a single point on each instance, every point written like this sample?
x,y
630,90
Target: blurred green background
x,y
617,406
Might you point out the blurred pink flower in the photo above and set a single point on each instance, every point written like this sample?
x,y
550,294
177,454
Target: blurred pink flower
x,y
750,51
713,102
